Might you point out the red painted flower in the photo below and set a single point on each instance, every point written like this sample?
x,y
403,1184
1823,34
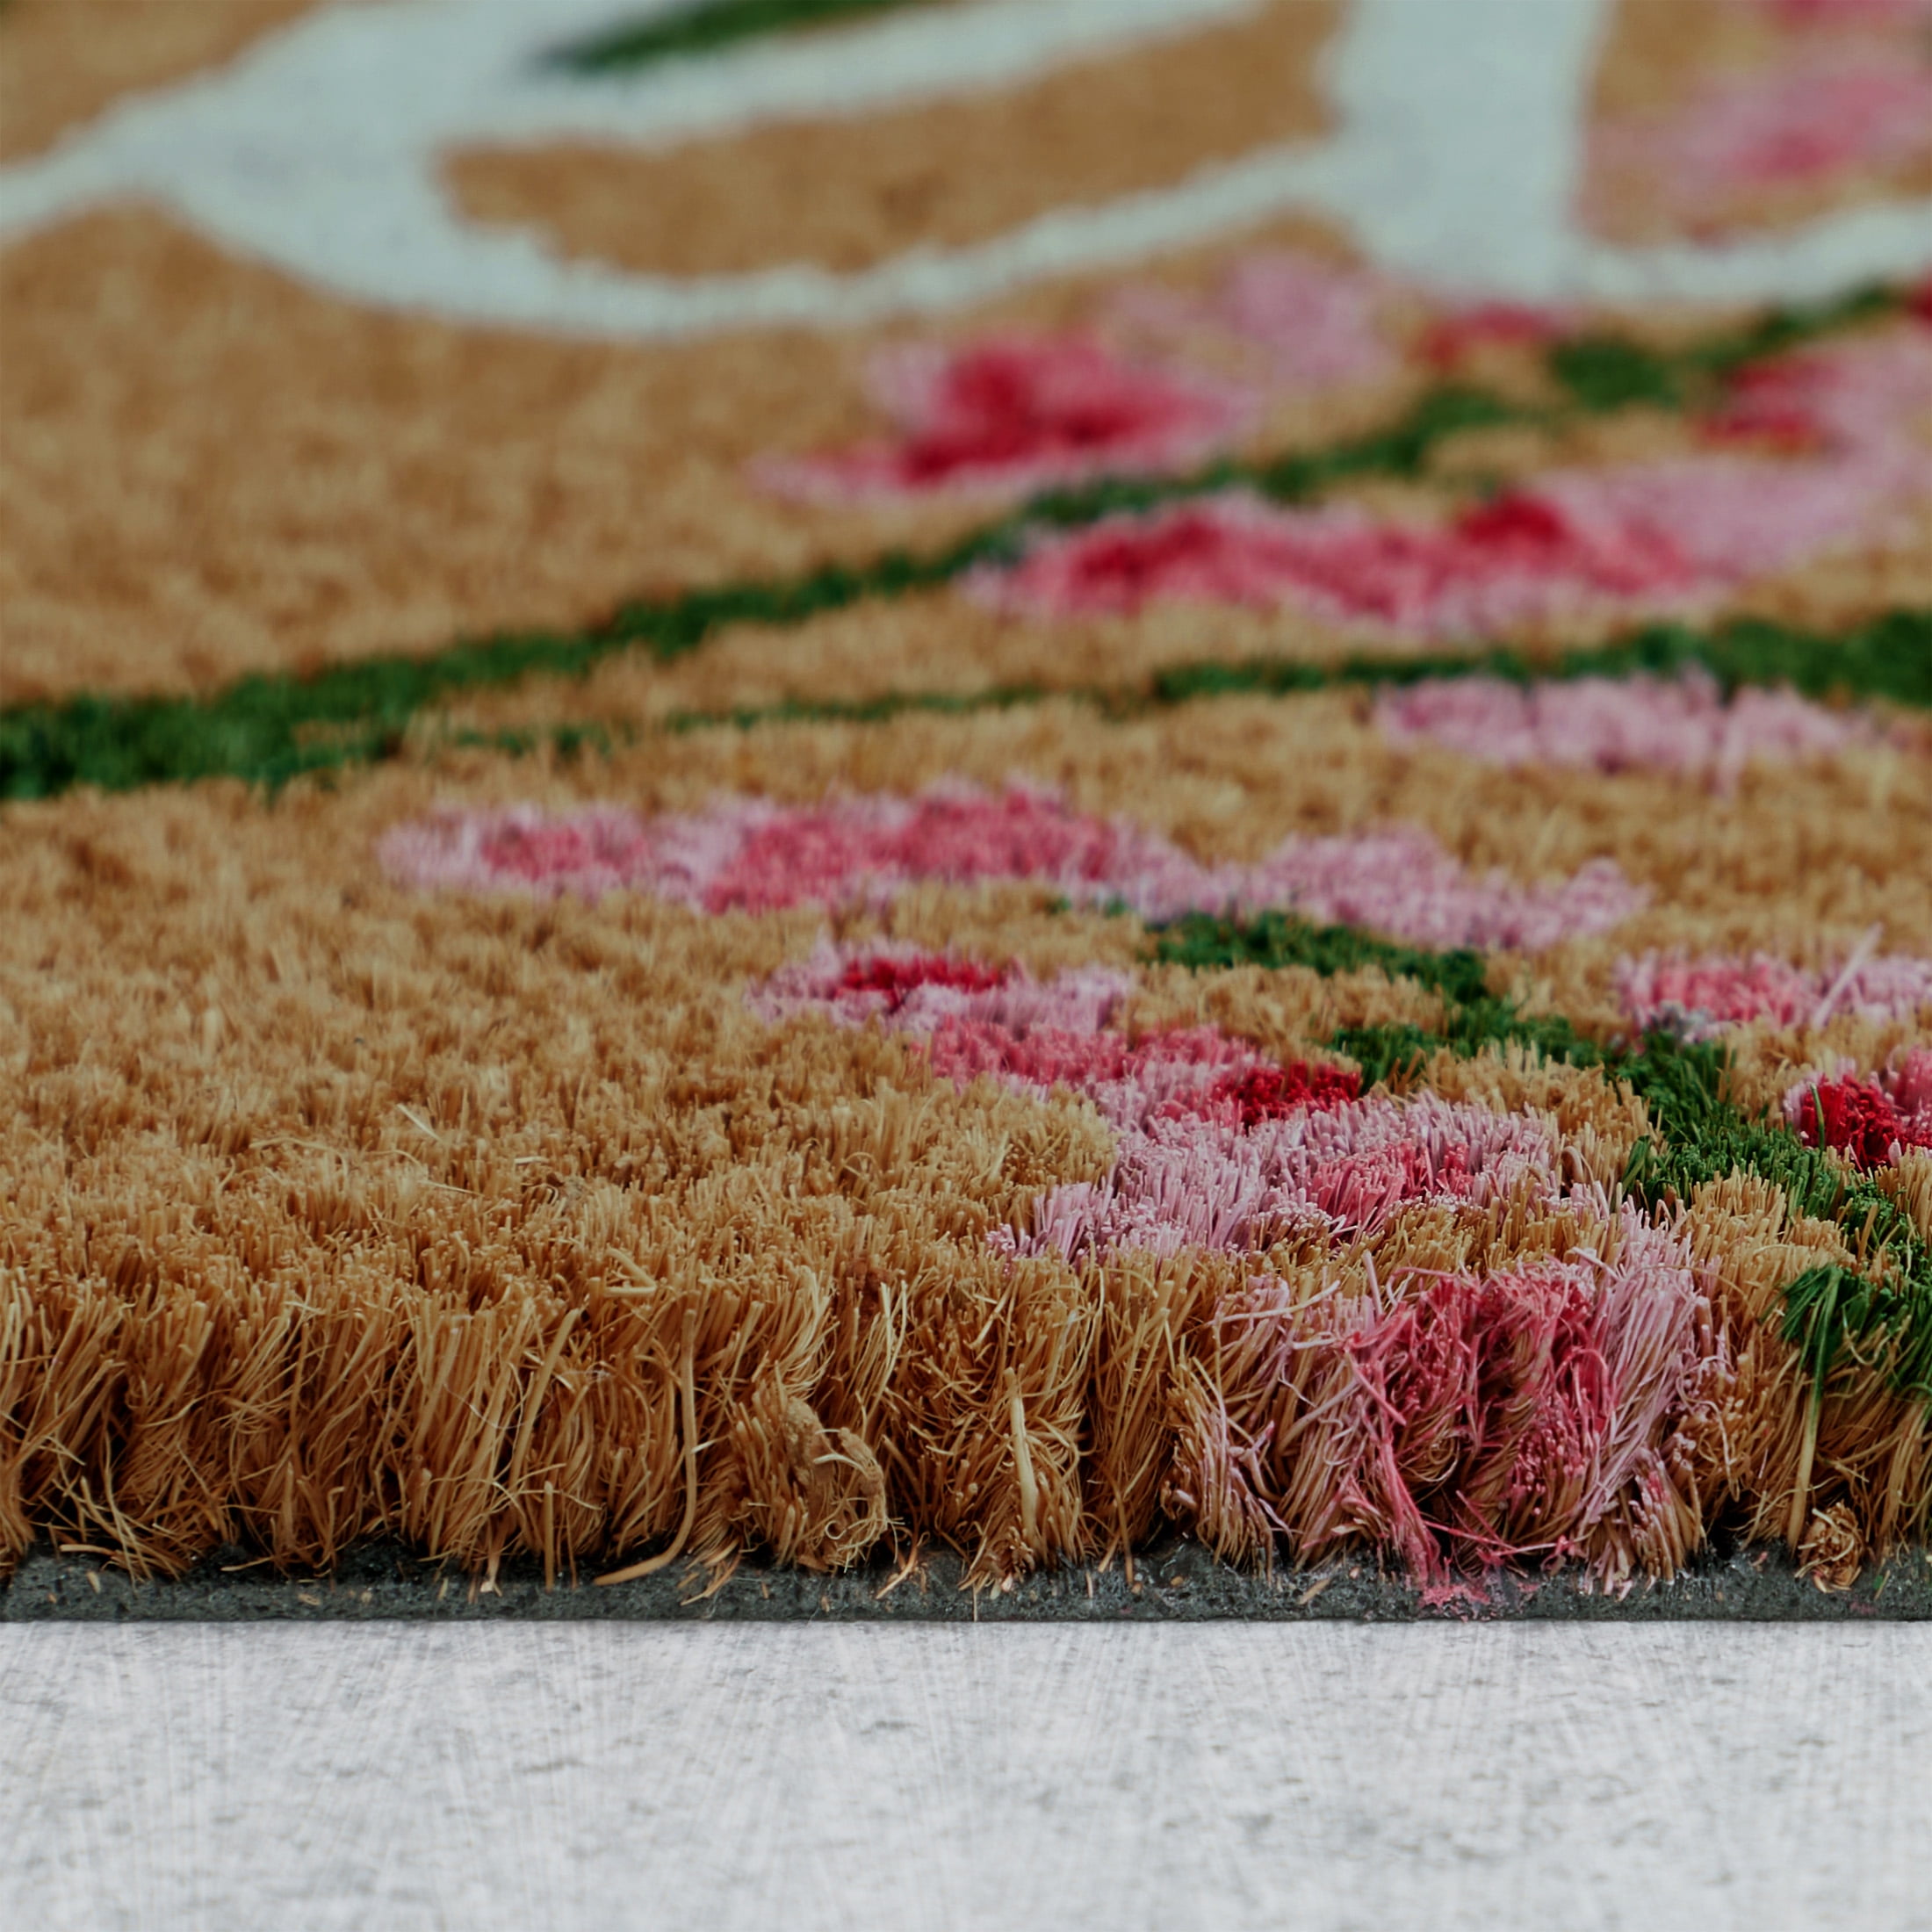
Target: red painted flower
x,y
898,976
1270,1092
1508,324
1016,412
1867,1118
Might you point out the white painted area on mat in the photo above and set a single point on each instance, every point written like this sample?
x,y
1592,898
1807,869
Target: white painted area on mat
x,y
1454,161
387,1778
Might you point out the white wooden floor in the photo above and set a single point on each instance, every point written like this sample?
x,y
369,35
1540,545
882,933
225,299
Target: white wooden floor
x,y
270,1779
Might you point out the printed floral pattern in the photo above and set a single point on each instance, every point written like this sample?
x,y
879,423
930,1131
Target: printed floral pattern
x,y
1698,999
1294,323
754,855
1017,412
1218,1146
1608,725
1871,1121
1670,536
1819,118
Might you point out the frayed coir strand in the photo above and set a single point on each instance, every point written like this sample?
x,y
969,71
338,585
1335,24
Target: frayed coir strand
x,y
1490,1364
758,855
1462,1420
610,1224
851,1381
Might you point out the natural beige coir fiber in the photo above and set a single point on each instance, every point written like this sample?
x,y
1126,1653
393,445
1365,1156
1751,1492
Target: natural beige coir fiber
x,y
1792,859
335,1209
63,61
368,482
850,194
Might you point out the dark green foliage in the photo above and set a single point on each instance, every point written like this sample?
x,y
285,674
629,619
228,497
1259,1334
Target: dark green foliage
x,y
1280,938
1789,327
1604,371
1889,658
1829,1312
1474,1017
705,27
266,730
1833,1316
1404,450
1393,1052
863,710
269,730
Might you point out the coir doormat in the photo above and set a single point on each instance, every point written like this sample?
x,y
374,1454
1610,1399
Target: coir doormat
x,y
1079,805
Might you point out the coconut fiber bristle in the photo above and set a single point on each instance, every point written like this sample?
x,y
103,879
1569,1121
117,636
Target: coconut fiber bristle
x,y
1258,881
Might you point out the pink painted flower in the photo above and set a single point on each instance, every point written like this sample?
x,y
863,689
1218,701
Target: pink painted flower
x,y
1186,1180
1699,999
1873,394
1016,413
1218,1145
1609,724
860,846
1402,882
1003,1023
592,852
1674,535
1816,116
1465,1421
1516,558
1304,322
1193,1074
754,855
1663,536
913,991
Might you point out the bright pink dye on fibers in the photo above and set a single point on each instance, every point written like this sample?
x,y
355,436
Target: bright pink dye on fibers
x,y
1665,537
1015,412
1218,1147
913,991
1200,1181
593,851
1873,394
1452,337
1670,535
754,855
1299,322
1035,1036
1821,115
1481,1419
1616,724
1470,1420
1697,998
